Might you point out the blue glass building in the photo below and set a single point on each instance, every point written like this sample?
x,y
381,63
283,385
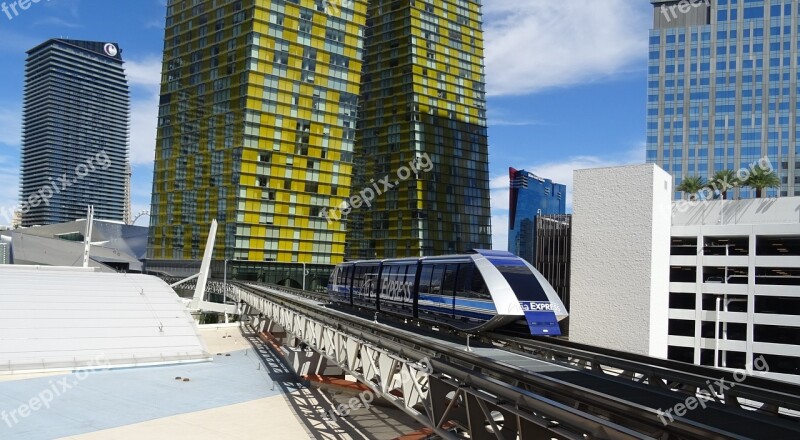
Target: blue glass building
x,y
531,196
75,129
723,88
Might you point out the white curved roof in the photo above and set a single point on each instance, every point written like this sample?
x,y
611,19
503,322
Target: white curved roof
x,y
54,318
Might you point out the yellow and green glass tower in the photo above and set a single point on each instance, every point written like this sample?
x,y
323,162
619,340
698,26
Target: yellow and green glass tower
x,y
422,97
256,128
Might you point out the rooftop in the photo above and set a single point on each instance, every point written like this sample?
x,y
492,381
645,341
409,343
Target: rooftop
x,y
246,391
56,318
780,210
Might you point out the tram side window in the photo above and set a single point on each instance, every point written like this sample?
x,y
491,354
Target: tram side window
x,y
364,280
402,273
464,280
425,280
371,284
479,288
449,280
436,280
369,279
358,279
346,275
386,280
392,285
409,279
398,276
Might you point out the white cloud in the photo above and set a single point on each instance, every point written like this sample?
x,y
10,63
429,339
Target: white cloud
x,y
10,124
513,123
559,172
157,23
9,189
500,232
61,8
66,13
144,118
500,192
145,72
10,130
57,22
14,44
532,45
144,76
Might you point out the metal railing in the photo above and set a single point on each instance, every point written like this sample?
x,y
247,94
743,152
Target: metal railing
x,y
474,393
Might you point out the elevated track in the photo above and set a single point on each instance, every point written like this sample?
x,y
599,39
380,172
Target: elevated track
x,y
506,387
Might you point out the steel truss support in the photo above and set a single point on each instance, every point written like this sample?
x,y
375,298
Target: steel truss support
x,y
450,399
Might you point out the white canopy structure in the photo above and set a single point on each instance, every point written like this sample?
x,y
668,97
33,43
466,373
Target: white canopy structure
x,y
63,318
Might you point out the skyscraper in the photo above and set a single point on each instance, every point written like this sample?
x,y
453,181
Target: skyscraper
x,y
422,96
723,88
256,128
553,253
74,132
530,197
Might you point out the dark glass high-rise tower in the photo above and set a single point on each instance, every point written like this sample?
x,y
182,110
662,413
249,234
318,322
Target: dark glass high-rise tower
x,y
530,196
723,89
75,132
422,96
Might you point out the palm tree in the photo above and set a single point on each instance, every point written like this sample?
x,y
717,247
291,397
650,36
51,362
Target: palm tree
x,y
724,180
691,185
761,179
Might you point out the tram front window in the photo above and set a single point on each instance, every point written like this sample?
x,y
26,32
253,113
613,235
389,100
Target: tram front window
x,y
523,282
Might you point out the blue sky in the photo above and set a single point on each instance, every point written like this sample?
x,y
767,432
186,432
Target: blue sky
x,y
566,82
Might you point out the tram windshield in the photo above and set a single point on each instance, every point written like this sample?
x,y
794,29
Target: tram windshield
x,y
523,282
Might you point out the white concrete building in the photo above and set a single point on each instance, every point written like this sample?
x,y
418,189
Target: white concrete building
x,y
735,284
724,292
620,258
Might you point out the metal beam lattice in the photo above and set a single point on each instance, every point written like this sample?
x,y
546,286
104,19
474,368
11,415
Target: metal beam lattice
x,y
444,397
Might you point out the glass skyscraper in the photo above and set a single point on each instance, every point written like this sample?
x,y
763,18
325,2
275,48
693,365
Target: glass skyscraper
x,y
74,133
530,197
422,96
266,125
256,128
723,89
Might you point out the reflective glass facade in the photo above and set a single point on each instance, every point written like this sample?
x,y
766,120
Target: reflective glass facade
x,y
554,252
723,88
75,131
530,197
422,96
256,128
